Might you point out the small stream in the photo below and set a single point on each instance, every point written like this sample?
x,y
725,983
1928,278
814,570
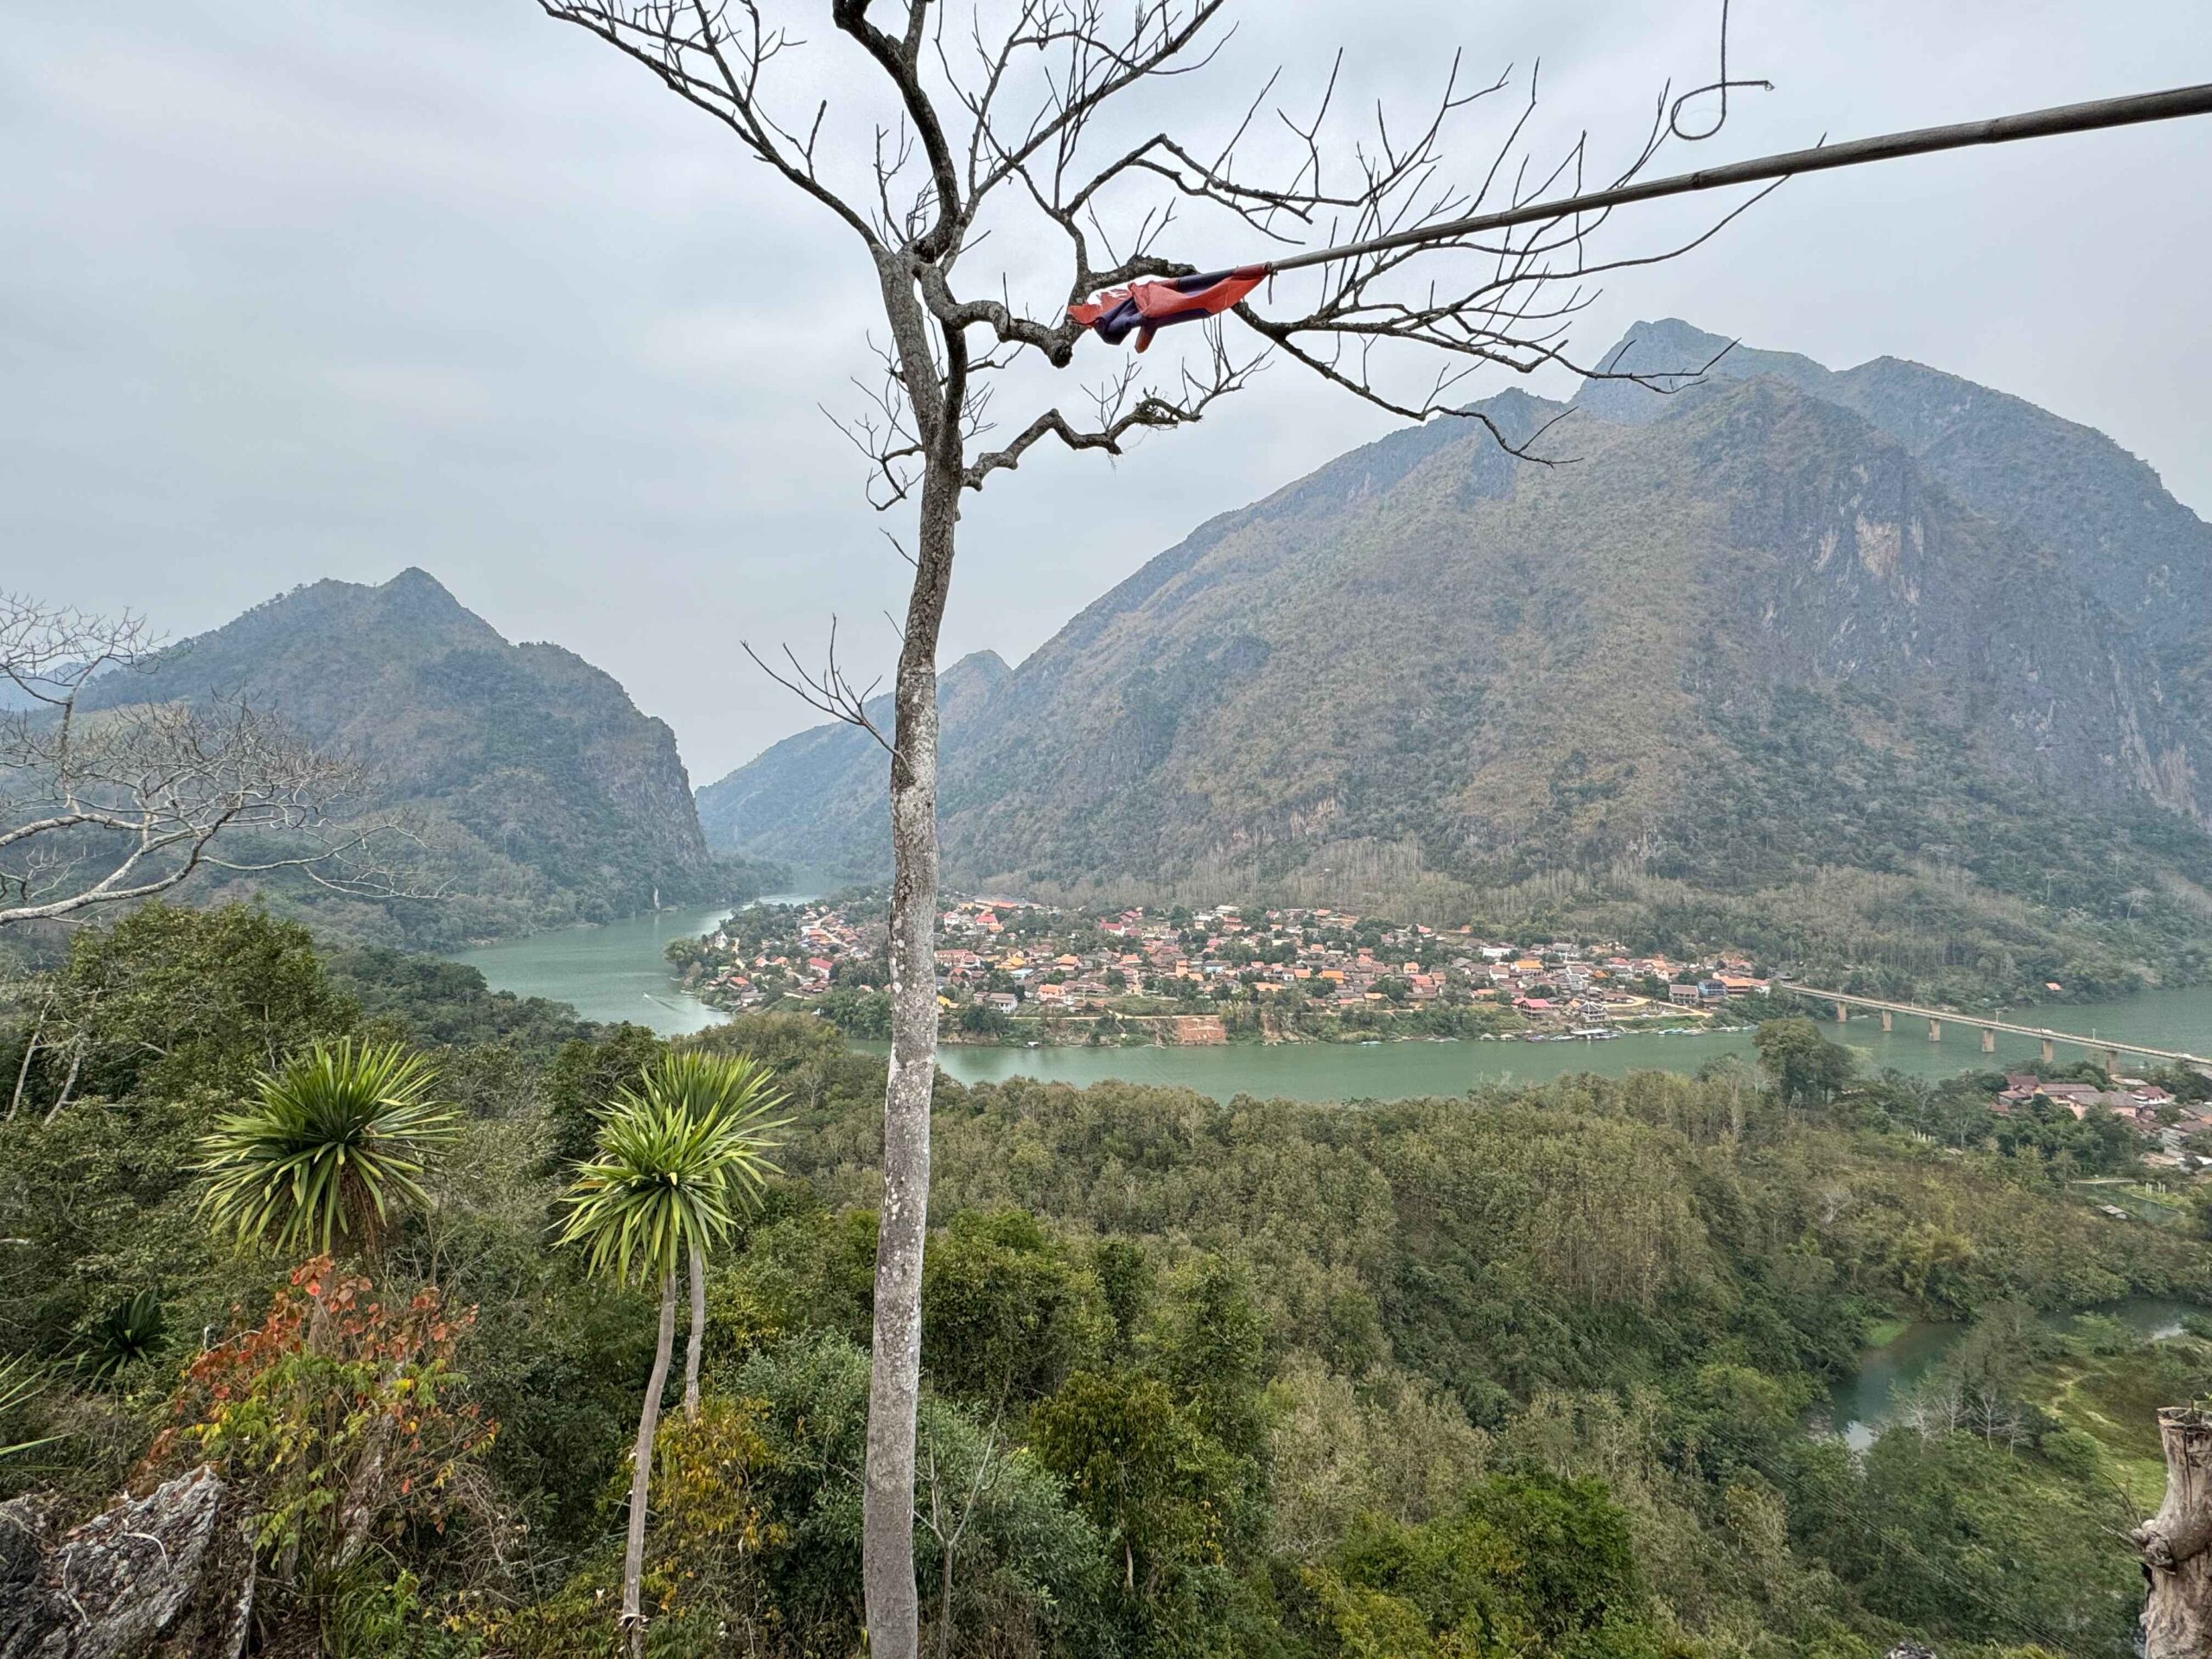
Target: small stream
x,y
1858,1407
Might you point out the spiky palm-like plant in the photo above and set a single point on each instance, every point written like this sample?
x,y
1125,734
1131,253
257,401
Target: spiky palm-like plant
x,y
332,1145
740,1092
666,1179
127,1333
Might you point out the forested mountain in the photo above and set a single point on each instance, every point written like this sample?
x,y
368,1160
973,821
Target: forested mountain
x,y
1879,669
540,794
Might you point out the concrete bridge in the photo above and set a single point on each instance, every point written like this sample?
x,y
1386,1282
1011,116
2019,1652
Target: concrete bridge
x,y
2110,1048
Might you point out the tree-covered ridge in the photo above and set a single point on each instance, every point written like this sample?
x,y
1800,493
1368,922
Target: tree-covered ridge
x,y
537,793
1526,1373
1790,655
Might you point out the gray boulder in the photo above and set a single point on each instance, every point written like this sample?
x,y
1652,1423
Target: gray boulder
x,y
166,1576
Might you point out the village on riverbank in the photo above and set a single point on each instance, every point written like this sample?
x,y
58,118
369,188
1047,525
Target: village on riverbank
x,y
1012,971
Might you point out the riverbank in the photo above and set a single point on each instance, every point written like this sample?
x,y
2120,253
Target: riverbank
x,y
1178,1030
2091,1382
620,971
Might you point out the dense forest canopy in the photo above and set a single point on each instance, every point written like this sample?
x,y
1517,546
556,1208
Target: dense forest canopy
x,y
1531,1371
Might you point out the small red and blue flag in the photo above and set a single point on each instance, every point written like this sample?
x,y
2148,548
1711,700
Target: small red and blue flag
x,y
1143,308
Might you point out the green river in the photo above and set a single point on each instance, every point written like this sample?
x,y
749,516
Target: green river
x,y
617,972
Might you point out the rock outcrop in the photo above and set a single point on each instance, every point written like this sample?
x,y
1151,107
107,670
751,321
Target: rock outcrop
x,y
166,1576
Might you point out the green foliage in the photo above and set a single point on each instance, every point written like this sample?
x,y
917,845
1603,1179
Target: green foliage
x,y
1531,1564
1151,1481
1806,1069
1208,1345
776,1456
679,1157
1007,1311
584,1075
128,1334
107,1205
806,1268
1938,1533
332,1145
165,1000
861,1013
734,1091
1525,1371
20,1383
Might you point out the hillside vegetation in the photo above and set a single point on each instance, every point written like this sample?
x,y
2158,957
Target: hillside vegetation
x,y
1877,670
1533,1373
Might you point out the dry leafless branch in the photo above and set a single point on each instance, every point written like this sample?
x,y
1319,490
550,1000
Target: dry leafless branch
x,y
102,807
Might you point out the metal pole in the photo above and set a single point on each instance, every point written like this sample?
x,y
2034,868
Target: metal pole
x,y
2092,116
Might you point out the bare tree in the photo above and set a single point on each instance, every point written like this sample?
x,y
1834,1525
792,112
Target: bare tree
x,y
103,807
1034,123
948,1516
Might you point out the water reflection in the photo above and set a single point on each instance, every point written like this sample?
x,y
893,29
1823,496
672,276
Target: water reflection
x,y
1862,1404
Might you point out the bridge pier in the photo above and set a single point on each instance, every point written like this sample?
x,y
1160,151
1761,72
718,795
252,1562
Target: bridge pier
x,y
2112,1061
1935,1031
1886,1020
2049,1051
1988,1040
1842,1014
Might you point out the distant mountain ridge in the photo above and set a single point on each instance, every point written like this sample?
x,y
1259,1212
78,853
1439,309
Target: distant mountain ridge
x,y
541,793
1786,656
832,779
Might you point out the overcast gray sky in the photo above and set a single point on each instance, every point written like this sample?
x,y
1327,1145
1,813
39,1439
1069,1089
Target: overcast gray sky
x,y
329,288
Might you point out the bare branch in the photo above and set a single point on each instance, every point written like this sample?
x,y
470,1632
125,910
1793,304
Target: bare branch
x,y
1015,116
100,808
828,689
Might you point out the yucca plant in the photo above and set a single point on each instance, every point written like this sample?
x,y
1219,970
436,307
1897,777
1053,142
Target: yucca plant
x,y
668,1178
739,1092
331,1146
127,1333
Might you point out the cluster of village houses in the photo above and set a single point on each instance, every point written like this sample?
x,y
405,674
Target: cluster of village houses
x,y
1019,956
2147,1108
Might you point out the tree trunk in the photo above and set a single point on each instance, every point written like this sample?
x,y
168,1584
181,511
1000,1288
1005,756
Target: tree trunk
x,y
68,1087
2177,1563
887,1504
23,1072
641,1472
698,1336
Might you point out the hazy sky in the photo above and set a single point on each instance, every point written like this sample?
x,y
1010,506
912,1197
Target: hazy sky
x,y
329,288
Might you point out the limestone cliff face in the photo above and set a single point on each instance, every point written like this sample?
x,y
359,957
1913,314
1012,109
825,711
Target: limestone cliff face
x,y
542,794
1783,619
2068,487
